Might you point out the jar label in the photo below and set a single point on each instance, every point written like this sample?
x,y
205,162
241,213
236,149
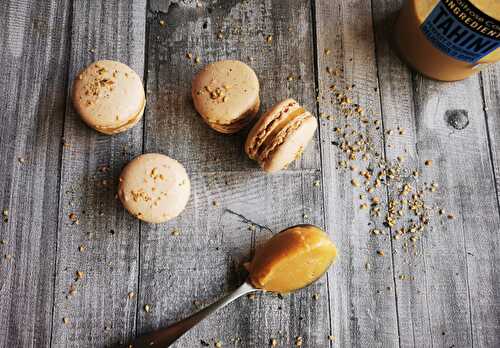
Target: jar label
x,y
461,30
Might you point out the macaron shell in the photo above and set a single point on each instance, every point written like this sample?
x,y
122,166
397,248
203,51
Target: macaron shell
x,y
124,127
154,188
239,124
291,147
109,96
267,123
225,91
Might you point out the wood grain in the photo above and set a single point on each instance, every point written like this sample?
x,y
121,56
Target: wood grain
x,y
33,56
454,292
204,261
99,312
362,286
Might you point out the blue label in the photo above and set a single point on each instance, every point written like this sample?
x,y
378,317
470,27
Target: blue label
x,y
459,29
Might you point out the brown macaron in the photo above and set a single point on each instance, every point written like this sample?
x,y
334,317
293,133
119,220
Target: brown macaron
x,y
281,135
154,188
109,96
226,95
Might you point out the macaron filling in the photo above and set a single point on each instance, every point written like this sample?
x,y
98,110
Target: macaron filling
x,y
271,145
284,116
124,126
238,123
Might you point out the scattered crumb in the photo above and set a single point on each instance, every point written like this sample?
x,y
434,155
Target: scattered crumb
x,y
175,232
65,320
269,39
147,308
79,275
428,163
131,295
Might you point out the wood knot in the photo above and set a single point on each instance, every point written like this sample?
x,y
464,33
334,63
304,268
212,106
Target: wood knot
x,y
457,119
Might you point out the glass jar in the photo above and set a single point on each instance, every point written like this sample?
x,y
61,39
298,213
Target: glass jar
x,y
449,40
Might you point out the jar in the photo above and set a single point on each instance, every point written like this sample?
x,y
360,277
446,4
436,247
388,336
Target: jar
x,y
449,40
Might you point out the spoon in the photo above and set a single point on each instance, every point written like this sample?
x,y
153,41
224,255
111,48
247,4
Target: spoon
x,y
292,240
166,336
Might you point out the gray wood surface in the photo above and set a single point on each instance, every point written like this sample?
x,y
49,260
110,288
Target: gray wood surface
x,y
34,47
53,166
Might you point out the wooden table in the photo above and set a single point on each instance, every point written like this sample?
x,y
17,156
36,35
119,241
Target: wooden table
x,y
53,165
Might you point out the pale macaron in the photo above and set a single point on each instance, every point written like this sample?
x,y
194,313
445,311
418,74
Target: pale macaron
x,y
280,136
226,95
154,188
109,96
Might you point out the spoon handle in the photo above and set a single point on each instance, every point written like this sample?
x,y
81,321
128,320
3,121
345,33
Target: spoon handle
x,y
166,336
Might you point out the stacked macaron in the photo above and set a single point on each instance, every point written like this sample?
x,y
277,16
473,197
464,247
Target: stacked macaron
x,y
226,94
109,96
280,136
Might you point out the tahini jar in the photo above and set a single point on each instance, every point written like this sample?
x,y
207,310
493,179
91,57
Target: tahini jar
x,y
449,40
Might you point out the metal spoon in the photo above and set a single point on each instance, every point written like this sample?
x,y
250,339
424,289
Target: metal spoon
x,y
165,337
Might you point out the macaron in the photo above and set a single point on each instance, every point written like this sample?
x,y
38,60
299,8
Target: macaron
x,y
154,188
109,96
226,95
280,135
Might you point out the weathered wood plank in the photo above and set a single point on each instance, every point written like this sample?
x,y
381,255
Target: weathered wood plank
x,y
486,315
362,287
490,79
99,312
204,261
453,299
33,57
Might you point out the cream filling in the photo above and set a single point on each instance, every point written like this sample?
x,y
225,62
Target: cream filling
x,y
238,123
261,136
110,130
272,144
